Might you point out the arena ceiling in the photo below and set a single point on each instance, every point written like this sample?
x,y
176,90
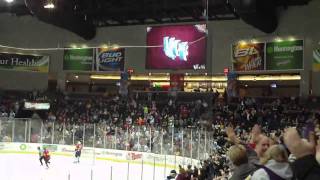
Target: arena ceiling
x,y
90,14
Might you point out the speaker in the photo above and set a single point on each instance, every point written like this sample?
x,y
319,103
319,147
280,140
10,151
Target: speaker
x,y
261,14
244,6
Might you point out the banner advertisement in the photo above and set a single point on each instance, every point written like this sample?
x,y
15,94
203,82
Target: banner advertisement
x,y
284,55
248,57
316,60
78,59
109,60
22,62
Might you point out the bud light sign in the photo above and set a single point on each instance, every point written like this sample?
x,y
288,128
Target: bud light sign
x,y
109,60
176,47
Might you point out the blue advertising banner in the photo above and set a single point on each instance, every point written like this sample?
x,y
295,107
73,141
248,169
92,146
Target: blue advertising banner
x,y
109,60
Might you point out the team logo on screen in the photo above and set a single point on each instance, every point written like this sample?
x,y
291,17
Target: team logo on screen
x,y
174,48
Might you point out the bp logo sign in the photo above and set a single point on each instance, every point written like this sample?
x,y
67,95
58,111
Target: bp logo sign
x,y
23,147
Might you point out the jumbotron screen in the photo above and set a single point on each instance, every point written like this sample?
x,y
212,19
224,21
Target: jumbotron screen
x,y
176,47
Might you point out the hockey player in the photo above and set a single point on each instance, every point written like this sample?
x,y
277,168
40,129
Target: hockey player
x,y
78,152
41,157
46,156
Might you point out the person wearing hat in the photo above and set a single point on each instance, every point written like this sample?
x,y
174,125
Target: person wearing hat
x,y
172,175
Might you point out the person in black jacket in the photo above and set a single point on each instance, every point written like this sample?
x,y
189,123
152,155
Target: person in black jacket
x,y
306,166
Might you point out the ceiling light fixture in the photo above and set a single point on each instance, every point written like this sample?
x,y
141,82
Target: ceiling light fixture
x,y
292,38
242,43
9,1
49,5
254,41
278,39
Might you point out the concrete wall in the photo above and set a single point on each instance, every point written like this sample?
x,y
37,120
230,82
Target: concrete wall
x,y
301,22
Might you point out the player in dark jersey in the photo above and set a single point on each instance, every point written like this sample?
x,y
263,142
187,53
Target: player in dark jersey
x,y
41,157
78,152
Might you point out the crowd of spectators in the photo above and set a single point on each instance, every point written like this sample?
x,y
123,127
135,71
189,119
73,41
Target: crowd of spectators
x,y
140,124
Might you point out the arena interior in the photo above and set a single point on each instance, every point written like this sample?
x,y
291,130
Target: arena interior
x,y
153,90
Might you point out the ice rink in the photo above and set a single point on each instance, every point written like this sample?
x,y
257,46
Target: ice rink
x,y
27,167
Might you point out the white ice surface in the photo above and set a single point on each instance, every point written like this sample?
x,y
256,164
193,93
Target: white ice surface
x,y
27,167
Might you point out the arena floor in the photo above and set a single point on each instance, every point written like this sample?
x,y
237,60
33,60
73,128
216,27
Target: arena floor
x,y
27,167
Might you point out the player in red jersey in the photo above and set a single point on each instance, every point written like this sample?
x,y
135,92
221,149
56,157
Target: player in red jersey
x,y
78,151
46,156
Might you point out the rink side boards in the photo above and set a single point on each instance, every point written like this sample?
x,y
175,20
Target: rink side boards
x,y
119,156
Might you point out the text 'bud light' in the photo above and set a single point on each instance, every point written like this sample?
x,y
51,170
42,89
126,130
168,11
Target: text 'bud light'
x,y
175,48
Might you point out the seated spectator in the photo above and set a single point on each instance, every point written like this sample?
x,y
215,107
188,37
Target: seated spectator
x,y
275,165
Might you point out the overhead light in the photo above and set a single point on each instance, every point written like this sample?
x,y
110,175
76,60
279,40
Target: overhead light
x,y
292,39
202,78
76,76
104,46
133,77
278,39
108,77
254,41
242,43
49,5
9,1
74,46
115,46
270,78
